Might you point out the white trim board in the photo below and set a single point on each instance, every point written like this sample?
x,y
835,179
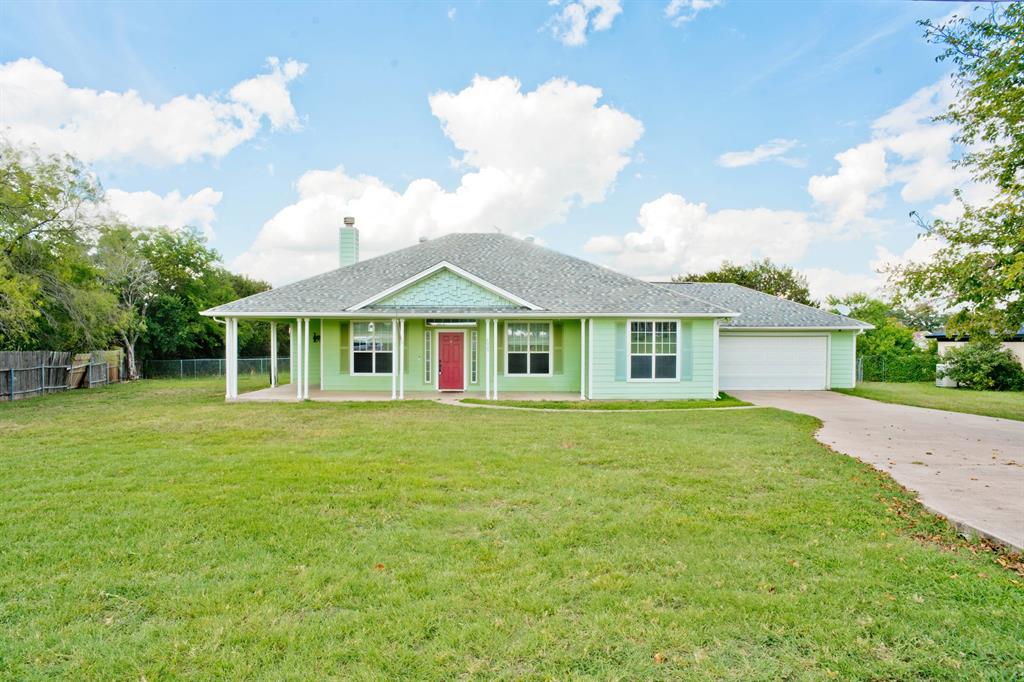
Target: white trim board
x,y
444,265
511,315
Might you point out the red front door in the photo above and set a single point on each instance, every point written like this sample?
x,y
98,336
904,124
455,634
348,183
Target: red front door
x,y
450,363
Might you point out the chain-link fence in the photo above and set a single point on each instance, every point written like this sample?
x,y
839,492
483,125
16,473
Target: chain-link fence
x,y
897,368
208,367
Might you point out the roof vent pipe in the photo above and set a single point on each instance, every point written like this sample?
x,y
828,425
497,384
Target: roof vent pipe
x,y
348,243
422,239
529,238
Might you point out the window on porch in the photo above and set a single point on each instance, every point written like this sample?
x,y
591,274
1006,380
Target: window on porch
x,y
528,348
372,347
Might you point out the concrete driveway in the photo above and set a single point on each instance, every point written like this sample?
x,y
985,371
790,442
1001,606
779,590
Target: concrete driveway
x,y
966,467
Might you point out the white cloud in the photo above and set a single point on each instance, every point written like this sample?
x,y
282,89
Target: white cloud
x,y
577,19
451,13
529,158
852,192
41,108
907,149
678,237
683,11
774,149
824,282
148,209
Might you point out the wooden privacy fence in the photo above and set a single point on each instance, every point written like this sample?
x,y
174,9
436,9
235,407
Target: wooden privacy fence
x,y
25,374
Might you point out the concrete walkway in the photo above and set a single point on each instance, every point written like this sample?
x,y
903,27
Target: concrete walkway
x,y
965,467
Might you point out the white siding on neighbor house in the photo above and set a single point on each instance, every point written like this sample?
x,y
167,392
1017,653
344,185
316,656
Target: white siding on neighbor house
x,y
1015,347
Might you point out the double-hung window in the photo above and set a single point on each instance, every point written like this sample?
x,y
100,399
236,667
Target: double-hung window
x,y
653,349
372,347
528,348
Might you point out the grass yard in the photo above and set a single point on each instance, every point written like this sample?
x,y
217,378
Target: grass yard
x,y
1004,404
724,400
153,531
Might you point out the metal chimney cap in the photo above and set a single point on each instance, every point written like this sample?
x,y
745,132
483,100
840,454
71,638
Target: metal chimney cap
x,y
349,221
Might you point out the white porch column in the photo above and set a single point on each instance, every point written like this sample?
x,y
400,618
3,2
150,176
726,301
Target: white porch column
x,y
231,358
297,361
590,359
401,359
322,344
487,359
494,390
394,363
273,354
714,358
305,360
583,359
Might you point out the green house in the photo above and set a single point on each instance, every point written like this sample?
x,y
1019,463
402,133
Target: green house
x,y
496,316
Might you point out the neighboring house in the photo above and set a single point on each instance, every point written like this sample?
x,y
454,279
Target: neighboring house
x,y
1015,343
500,316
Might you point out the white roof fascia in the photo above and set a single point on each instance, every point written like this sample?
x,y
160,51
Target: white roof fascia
x,y
512,314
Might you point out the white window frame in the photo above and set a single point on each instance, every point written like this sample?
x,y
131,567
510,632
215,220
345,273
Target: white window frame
x,y
352,349
654,351
551,349
474,357
428,356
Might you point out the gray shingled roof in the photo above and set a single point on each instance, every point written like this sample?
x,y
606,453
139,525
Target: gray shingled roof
x,y
556,283
758,309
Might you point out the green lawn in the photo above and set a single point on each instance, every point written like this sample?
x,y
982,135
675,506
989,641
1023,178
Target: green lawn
x,y
151,531
725,400
1005,404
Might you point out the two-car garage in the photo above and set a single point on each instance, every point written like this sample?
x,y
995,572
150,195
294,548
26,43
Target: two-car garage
x,y
773,362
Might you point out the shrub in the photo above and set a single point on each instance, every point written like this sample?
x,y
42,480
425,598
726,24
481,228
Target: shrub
x,y
983,365
917,366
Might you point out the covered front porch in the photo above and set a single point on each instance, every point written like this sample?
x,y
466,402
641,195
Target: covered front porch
x,y
423,358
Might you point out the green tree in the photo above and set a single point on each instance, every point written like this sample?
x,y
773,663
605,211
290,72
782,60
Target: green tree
x,y
190,279
763,275
979,272
130,276
889,338
50,295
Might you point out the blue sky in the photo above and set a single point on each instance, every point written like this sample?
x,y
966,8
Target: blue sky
x,y
345,123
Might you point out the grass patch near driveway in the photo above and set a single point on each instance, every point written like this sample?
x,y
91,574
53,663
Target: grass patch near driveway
x,y
724,400
1003,404
151,530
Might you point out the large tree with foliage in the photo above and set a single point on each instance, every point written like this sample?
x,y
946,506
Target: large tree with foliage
x,y
979,272
50,295
190,279
130,276
890,337
763,275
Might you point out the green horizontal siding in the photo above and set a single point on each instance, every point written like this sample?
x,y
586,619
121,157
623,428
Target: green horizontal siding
x,y
697,370
565,363
843,344
609,357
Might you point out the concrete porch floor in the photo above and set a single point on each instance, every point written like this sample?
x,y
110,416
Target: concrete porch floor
x,y
286,393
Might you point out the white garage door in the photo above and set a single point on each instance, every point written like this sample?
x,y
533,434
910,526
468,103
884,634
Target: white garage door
x,y
773,363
